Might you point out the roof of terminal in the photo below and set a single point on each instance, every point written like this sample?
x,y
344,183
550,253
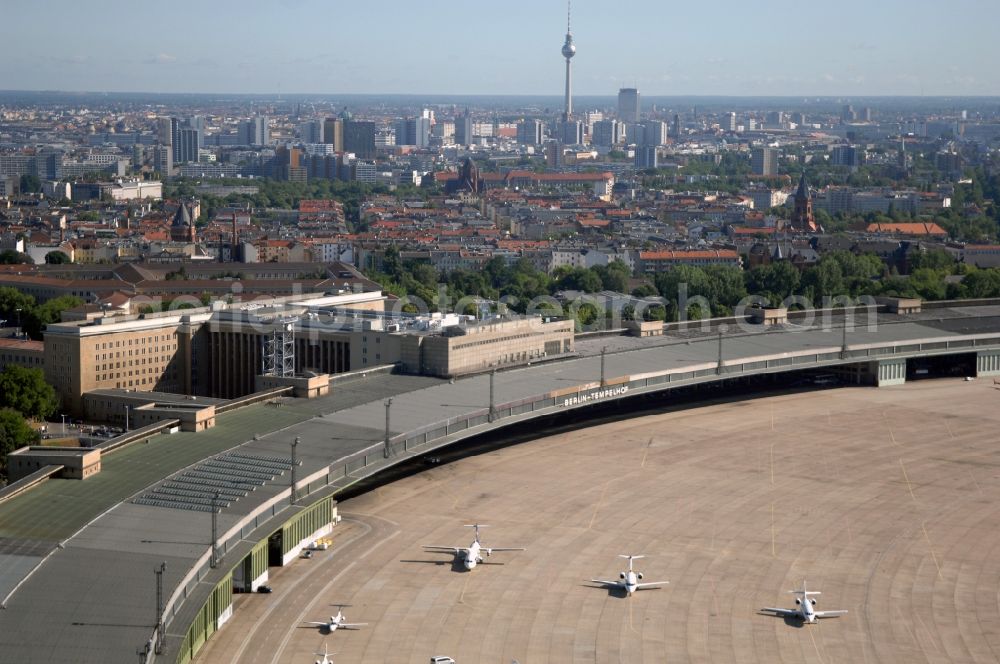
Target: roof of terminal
x,y
68,614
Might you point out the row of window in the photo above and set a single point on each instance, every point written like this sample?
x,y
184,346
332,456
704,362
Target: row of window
x,y
138,351
491,341
153,338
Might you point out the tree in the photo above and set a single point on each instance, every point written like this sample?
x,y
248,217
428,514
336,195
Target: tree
x,y
11,257
982,283
26,391
14,433
614,276
15,305
37,319
57,258
30,184
645,290
933,259
775,281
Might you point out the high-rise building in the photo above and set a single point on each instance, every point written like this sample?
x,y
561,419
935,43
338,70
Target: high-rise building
x,y
165,131
728,122
463,129
847,114
163,160
359,138
198,122
628,105
289,164
186,145
255,131
333,133
413,131
568,51
553,154
764,161
311,131
634,133
846,155
529,132
607,133
655,133
675,129
572,132
646,157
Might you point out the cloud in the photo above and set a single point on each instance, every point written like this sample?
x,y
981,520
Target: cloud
x,y
161,59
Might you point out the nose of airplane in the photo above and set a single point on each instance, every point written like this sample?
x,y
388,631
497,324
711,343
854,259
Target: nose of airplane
x,y
469,564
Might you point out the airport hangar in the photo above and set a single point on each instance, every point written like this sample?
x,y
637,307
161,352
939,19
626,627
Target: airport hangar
x,y
78,559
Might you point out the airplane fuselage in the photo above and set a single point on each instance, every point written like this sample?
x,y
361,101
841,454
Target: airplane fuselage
x,y
631,582
473,556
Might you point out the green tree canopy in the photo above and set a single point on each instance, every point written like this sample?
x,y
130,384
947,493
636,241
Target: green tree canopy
x,y
11,257
14,433
57,258
26,391
38,318
30,184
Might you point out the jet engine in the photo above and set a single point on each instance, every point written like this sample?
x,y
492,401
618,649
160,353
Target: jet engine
x,y
797,601
813,601
621,575
639,576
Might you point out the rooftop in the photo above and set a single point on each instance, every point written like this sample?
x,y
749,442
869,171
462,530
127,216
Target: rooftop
x,y
119,542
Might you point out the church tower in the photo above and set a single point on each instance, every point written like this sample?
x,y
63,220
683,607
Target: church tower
x,y
802,216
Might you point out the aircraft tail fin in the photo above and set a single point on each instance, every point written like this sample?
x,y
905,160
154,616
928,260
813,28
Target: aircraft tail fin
x,y
477,526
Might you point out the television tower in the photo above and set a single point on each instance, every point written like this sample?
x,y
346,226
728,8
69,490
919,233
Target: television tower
x,y
568,51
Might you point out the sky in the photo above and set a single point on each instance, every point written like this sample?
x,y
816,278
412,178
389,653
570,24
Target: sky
x,y
465,47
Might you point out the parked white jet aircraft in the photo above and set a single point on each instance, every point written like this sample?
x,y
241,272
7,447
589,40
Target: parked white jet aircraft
x,y
326,656
629,581
337,622
804,607
472,555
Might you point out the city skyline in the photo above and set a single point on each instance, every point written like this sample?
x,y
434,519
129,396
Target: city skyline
x,y
671,52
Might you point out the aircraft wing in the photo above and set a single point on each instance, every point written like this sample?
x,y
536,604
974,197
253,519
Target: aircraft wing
x,y
318,624
783,612
651,584
451,549
829,614
500,548
352,625
606,583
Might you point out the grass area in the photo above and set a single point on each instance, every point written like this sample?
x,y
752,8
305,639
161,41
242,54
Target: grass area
x,y
58,508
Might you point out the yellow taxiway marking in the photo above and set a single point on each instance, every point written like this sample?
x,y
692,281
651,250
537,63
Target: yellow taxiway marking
x,y
974,481
815,645
461,597
772,464
774,553
907,478
930,547
600,500
646,453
